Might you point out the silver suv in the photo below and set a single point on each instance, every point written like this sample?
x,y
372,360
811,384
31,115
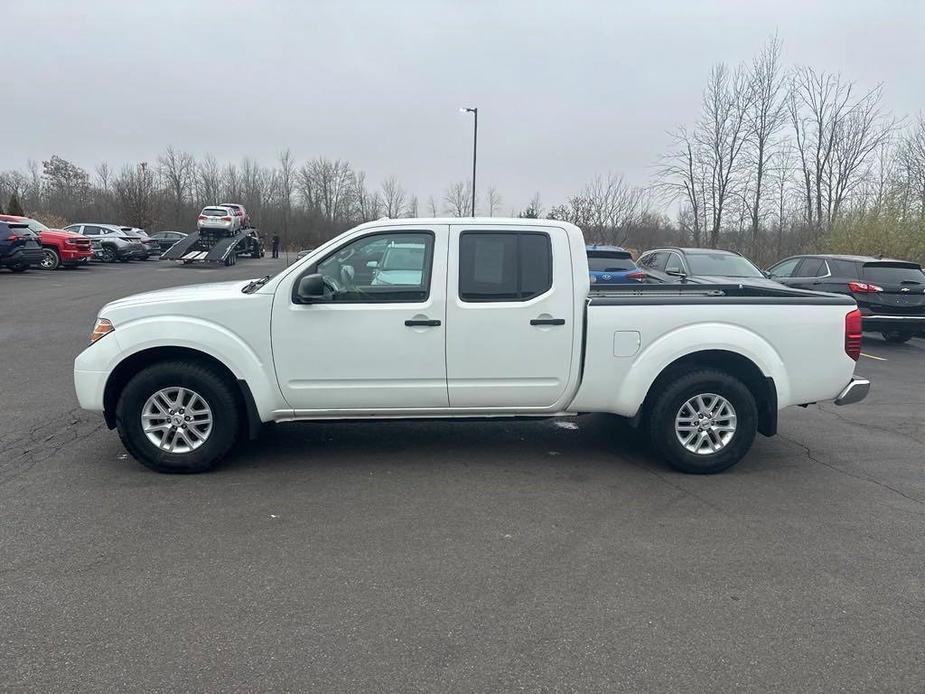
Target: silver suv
x,y
112,242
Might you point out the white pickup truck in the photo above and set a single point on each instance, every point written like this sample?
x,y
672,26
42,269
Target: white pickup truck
x,y
462,318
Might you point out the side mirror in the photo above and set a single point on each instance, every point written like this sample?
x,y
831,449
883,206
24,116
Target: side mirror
x,y
311,289
674,273
372,264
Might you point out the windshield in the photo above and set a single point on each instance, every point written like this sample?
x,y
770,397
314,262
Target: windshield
x,y
893,274
36,226
722,265
598,264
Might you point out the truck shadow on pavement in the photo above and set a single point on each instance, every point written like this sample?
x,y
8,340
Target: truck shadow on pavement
x,y
589,440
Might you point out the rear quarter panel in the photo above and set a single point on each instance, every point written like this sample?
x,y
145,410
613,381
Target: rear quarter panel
x,y
627,347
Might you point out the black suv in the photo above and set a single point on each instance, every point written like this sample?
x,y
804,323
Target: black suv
x,y
890,293
19,246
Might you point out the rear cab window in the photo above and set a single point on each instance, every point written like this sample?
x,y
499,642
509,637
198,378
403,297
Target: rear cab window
x,y
504,266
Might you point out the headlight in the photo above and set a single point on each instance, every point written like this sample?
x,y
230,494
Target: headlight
x,y
102,328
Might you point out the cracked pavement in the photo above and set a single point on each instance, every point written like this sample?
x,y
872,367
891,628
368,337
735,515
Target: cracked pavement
x,y
449,557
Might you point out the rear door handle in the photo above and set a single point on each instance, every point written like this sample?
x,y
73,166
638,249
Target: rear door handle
x,y
430,323
547,321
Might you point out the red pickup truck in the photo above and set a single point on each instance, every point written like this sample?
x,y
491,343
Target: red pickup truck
x,y
59,247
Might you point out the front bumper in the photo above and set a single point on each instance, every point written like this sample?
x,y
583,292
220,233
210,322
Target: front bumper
x,y
854,392
74,254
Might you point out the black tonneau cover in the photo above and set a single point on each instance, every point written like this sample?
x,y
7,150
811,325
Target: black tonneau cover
x,y
731,293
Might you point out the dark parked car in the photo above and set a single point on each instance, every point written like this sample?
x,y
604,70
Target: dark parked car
x,y
698,264
252,244
890,293
19,246
166,239
612,265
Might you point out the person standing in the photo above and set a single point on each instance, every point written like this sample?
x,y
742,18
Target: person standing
x,y
276,245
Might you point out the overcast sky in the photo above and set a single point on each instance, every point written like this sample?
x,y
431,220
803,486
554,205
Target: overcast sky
x,y
564,89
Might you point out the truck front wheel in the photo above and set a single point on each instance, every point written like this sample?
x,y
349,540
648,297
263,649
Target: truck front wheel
x,y
178,417
703,421
50,259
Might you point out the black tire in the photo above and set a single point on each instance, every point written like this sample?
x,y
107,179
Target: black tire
x,y
107,254
667,403
896,337
211,386
124,260
19,267
50,259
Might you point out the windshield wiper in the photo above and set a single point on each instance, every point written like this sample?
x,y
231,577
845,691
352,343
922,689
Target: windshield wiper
x,y
253,285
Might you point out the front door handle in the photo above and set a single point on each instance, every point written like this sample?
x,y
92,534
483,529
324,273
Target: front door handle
x,y
430,323
547,321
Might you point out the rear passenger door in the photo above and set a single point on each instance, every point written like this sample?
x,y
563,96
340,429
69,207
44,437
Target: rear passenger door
x,y
510,316
809,274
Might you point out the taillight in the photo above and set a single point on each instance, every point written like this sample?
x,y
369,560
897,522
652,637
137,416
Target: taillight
x,y
13,237
864,288
226,219
853,334
637,275
202,216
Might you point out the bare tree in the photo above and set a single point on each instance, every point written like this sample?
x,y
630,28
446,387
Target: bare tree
x,y
135,192
393,198
412,210
911,165
178,169
458,199
494,201
285,178
766,115
682,176
723,133
432,206
208,181
835,136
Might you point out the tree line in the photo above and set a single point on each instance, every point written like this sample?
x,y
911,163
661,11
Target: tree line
x,y
779,160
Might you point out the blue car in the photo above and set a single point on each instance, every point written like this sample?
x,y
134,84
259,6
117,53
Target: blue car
x,y
612,265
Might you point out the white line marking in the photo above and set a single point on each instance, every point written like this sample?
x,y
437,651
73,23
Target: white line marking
x,y
871,356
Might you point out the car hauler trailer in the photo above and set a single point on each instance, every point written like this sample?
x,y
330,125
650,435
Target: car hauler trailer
x,y
208,246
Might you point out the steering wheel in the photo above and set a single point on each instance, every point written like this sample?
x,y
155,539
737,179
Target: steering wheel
x,y
331,284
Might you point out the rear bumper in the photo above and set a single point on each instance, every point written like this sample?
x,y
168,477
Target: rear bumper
x,y
880,322
23,256
854,392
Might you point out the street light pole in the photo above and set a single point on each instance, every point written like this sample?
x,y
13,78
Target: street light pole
x,y
475,146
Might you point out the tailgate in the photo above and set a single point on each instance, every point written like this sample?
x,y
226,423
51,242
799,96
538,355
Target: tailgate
x,y
901,287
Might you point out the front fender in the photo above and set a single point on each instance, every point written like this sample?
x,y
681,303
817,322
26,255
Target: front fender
x,y
239,353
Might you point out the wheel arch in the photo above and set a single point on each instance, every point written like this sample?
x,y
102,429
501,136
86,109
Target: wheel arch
x,y
130,365
762,387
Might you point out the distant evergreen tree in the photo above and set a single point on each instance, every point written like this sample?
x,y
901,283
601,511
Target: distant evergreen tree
x,y
15,207
1,208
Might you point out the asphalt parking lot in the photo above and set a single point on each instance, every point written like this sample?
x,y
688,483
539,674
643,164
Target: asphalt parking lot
x,y
435,557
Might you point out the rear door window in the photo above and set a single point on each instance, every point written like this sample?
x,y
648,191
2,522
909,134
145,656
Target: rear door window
x,y
674,264
504,266
811,267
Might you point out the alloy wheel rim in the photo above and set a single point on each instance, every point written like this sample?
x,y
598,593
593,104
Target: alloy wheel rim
x,y
176,420
705,424
48,260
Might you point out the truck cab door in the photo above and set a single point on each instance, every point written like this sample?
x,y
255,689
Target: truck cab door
x,y
511,323
375,341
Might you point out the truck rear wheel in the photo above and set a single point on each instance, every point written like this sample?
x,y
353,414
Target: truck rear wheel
x,y
703,422
178,417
